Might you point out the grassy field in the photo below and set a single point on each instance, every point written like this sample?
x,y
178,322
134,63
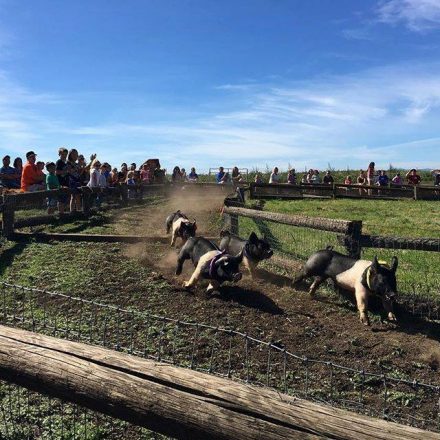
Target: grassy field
x,y
418,272
403,218
119,275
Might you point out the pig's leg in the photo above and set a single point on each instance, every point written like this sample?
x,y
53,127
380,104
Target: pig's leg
x,y
180,260
302,275
213,285
196,274
388,306
361,294
249,266
316,283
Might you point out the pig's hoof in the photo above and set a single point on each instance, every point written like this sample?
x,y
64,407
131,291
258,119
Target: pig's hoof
x,y
392,317
186,285
365,320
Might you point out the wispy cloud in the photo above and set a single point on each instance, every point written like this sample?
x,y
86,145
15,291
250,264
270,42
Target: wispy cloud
x,y
417,15
385,114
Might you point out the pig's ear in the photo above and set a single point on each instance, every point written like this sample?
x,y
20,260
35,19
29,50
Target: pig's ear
x,y
394,263
239,257
253,237
375,264
195,225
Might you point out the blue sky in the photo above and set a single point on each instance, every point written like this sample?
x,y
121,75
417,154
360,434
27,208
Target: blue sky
x,y
208,82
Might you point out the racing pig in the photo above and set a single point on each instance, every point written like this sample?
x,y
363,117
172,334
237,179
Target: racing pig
x,y
363,277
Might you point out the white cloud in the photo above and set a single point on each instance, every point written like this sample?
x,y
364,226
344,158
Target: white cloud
x,y
345,120
417,15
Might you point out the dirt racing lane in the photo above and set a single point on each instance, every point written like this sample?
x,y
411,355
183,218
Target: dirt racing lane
x,y
325,327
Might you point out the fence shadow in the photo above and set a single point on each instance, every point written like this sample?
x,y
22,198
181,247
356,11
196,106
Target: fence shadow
x,y
8,255
250,298
273,278
407,322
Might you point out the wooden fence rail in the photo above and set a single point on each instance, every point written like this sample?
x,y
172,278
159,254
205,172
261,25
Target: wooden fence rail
x,y
174,401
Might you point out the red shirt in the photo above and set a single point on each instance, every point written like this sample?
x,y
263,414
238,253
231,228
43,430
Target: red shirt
x,y
414,179
30,176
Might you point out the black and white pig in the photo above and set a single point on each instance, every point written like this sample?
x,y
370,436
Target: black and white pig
x,y
210,263
363,277
180,226
254,249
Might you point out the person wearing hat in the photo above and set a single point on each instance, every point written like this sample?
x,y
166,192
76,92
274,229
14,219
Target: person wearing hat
x,y
31,178
8,175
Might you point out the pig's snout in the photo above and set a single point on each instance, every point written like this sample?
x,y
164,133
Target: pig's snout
x,y
237,277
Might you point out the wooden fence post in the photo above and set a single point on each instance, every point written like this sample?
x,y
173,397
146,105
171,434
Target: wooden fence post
x,y
87,200
416,192
352,239
124,193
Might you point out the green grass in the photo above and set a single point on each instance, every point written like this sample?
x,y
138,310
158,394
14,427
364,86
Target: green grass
x,y
418,271
406,218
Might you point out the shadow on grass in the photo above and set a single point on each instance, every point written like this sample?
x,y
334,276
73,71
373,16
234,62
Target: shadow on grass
x,y
249,298
96,220
7,256
407,322
273,278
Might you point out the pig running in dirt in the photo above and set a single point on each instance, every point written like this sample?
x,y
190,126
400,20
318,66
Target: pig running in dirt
x,y
180,226
254,249
210,263
363,277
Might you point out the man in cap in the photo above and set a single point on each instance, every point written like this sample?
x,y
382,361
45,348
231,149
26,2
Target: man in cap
x,y
31,179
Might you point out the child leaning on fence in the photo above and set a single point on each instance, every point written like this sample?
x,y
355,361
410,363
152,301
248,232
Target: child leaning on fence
x,y
52,182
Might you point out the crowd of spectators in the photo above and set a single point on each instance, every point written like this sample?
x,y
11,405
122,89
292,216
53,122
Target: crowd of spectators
x,y
72,171
370,177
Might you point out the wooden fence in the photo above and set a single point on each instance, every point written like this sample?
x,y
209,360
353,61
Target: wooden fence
x,y
173,401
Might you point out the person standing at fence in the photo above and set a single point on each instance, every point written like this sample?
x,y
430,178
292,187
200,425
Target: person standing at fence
x,y
74,179
291,177
62,172
177,175
9,175
193,176
383,178
52,183
31,179
328,178
18,167
436,175
274,176
220,175
397,180
361,181
236,176
316,178
258,180
412,177
370,176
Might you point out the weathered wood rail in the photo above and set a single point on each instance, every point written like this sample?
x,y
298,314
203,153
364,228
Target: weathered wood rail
x,y
351,231
174,401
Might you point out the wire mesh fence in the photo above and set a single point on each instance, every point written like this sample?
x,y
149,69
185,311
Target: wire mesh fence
x,y
223,352
418,274
27,415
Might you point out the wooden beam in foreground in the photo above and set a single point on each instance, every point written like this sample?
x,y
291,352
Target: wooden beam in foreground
x,y
176,401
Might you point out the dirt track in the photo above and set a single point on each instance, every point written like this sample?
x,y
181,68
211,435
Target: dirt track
x,y
326,327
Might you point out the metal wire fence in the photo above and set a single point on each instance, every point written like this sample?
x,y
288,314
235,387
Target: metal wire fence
x,y
223,352
418,274
27,415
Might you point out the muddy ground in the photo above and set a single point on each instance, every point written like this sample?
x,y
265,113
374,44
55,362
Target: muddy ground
x,y
268,308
